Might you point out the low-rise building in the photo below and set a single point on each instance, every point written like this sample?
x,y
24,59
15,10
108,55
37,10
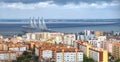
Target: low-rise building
x,y
98,33
3,47
16,39
101,38
52,37
19,48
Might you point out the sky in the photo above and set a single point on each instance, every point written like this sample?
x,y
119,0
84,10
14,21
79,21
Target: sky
x,y
60,9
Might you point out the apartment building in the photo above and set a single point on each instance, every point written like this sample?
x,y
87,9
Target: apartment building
x,y
116,50
98,33
84,47
98,55
69,55
53,37
57,52
19,48
69,39
7,55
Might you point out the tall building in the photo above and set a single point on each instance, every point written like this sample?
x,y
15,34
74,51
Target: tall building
x,y
71,55
116,51
98,55
108,45
85,48
87,32
58,52
69,38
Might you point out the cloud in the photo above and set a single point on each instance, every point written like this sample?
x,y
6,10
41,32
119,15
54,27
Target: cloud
x,y
21,4
57,1
104,5
92,5
15,6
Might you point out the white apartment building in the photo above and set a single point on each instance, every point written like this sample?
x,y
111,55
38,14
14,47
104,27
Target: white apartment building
x,y
46,54
69,39
53,37
69,57
101,38
18,49
7,55
94,55
96,43
84,47
87,32
98,55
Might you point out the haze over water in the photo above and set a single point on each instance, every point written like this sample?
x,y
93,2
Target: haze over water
x,y
62,25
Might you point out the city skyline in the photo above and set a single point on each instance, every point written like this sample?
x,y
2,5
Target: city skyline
x,y
59,9
59,30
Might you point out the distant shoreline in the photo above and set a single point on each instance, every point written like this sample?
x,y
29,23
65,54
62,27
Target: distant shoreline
x,y
60,22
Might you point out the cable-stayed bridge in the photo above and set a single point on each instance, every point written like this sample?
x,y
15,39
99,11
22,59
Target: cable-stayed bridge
x,y
36,25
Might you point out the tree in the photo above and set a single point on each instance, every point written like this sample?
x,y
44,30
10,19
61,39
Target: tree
x,y
118,60
19,59
26,60
86,59
90,60
25,53
29,56
25,57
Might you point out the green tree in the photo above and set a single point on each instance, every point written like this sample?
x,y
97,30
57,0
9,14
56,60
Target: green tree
x,y
25,53
90,60
25,57
118,60
29,56
86,59
20,59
